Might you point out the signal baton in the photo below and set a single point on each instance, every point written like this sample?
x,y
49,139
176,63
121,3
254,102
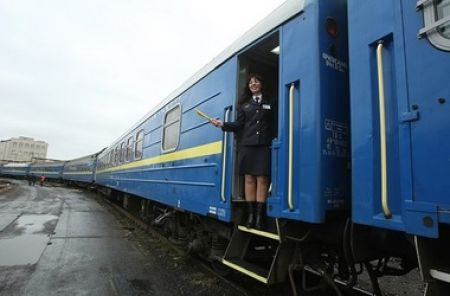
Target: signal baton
x,y
204,115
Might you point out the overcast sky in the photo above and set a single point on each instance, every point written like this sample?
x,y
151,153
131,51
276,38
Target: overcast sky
x,y
79,73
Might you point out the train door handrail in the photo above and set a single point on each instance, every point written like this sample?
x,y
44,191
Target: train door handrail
x,y
224,157
383,153
291,145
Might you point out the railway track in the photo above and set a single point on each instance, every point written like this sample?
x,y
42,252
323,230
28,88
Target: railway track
x,y
201,264
240,283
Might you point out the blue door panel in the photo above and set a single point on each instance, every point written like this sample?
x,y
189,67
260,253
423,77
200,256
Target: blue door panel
x,y
315,64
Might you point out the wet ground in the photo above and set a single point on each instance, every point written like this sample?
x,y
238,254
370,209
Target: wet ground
x,y
62,241
65,241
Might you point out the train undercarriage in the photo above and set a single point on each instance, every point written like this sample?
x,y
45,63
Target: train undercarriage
x,y
330,257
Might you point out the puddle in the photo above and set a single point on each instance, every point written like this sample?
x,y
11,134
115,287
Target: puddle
x,y
22,250
24,242
31,224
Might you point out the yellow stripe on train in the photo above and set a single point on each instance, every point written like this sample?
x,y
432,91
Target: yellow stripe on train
x,y
78,173
198,151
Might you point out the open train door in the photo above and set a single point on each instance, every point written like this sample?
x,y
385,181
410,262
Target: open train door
x,y
261,59
311,154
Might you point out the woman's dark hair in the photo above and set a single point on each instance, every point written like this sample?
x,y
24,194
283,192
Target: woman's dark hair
x,y
246,93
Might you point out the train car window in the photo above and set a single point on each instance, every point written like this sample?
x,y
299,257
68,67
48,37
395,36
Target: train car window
x,y
443,12
129,156
122,152
116,155
436,15
171,129
110,157
139,145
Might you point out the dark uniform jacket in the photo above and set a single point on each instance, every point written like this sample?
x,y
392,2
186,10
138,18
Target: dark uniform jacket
x,y
255,123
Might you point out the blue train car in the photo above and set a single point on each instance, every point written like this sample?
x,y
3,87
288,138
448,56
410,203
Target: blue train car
x,y
81,170
51,170
16,169
178,159
401,123
397,205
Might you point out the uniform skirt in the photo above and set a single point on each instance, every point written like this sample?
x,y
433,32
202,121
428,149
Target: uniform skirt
x,y
254,160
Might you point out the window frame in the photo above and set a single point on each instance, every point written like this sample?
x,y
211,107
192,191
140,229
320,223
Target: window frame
x,y
116,155
122,152
139,142
110,158
431,27
129,152
165,125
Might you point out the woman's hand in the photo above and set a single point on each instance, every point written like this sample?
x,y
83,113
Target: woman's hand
x,y
217,122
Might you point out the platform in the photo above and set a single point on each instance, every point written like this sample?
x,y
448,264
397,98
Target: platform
x,y
63,241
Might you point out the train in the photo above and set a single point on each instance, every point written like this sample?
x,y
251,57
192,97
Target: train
x,y
360,161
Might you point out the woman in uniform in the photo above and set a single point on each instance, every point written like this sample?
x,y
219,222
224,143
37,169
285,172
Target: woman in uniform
x,y
255,128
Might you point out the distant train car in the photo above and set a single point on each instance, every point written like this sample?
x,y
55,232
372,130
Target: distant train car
x,y
80,170
51,170
16,169
400,118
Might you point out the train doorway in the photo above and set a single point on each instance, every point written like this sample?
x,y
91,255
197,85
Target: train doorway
x,y
261,59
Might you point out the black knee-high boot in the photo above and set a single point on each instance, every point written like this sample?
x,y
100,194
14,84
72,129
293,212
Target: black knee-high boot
x,y
260,213
250,214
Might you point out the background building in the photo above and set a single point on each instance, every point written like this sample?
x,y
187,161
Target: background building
x,y
22,149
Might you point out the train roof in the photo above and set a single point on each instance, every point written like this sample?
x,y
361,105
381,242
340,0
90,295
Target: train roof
x,y
83,158
280,15
16,165
47,164
90,156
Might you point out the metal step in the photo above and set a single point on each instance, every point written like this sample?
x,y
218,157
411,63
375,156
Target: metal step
x,y
440,275
245,243
248,269
274,236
